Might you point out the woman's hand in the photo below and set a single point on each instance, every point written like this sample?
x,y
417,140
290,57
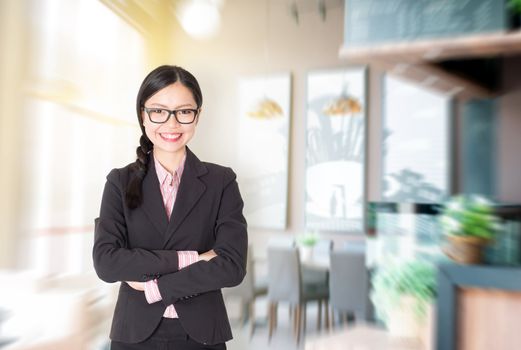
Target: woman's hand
x,y
209,255
140,286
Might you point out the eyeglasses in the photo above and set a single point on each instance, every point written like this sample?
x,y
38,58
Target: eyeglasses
x,y
161,115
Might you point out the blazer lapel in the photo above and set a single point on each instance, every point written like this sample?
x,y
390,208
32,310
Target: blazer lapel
x,y
190,191
153,200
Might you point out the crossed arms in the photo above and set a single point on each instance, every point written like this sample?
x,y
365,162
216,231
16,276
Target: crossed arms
x,y
226,261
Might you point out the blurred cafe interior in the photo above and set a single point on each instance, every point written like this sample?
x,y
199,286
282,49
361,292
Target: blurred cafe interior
x,y
375,144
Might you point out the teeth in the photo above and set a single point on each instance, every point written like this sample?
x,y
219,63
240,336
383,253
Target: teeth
x,y
170,136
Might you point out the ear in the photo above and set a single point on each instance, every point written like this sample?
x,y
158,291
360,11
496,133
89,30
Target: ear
x,y
198,115
143,116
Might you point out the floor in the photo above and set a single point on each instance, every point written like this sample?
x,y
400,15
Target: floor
x,y
350,336
364,337
282,338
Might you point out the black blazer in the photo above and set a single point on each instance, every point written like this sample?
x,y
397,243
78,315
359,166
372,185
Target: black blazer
x,y
141,244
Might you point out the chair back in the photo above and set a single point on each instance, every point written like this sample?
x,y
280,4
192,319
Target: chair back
x,y
281,241
284,276
349,281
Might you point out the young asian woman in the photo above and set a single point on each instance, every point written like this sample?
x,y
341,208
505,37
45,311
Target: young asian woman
x,y
170,228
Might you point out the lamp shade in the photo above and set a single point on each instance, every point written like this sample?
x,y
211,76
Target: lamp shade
x,y
200,19
343,105
266,109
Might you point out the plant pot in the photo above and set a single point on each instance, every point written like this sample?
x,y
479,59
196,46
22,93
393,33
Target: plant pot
x,y
306,253
465,249
402,322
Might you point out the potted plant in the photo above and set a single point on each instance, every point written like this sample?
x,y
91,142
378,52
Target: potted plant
x,y
469,224
403,295
306,242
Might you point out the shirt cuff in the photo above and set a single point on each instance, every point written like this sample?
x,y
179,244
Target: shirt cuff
x,y
187,257
152,293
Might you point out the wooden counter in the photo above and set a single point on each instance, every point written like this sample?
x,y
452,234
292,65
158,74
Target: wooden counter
x,y
479,307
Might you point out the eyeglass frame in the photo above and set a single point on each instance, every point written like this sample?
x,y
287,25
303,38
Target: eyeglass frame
x,y
170,113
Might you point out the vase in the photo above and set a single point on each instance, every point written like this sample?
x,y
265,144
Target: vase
x,y
402,321
465,249
306,253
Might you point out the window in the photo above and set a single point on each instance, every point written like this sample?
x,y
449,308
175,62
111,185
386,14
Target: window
x,y
84,70
415,169
415,143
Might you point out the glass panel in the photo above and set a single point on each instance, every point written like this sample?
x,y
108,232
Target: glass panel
x,y
415,172
335,152
416,140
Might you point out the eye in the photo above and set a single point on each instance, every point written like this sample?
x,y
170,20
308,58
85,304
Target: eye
x,y
155,110
186,111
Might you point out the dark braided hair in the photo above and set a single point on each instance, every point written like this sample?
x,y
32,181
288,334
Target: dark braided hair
x,y
156,80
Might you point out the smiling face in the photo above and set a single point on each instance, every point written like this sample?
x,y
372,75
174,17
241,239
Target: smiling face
x,y
170,138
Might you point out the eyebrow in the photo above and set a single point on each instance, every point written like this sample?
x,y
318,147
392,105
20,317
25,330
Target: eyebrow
x,y
178,107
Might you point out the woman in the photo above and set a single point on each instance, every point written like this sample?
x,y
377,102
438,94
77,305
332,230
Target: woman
x,y
170,228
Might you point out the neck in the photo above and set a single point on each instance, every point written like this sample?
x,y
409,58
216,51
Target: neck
x,y
170,160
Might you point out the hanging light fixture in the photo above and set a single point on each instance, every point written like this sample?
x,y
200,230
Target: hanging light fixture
x,y
201,19
294,11
342,106
322,9
266,108
298,7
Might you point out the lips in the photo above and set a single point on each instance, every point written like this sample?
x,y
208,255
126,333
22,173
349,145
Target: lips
x,y
170,137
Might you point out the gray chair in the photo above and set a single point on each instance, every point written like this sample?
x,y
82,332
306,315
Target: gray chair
x,y
349,285
321,251
247,292
282,241
286,284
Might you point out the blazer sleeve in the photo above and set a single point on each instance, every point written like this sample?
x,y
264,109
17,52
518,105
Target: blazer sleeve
x,y
228,268
113,261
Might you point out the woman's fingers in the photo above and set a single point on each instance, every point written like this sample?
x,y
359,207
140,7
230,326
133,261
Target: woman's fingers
x,y
207,256
137,285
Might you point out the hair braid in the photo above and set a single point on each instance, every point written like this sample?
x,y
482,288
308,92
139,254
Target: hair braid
x,y
134,196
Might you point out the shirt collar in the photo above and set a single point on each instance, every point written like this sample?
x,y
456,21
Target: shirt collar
x,y
163,174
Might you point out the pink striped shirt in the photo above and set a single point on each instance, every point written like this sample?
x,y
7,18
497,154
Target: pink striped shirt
x,y
169,184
